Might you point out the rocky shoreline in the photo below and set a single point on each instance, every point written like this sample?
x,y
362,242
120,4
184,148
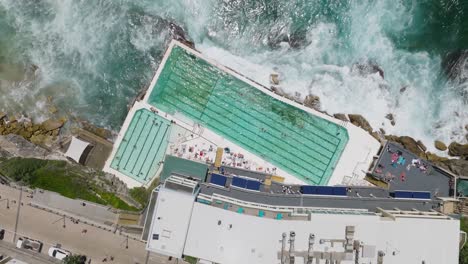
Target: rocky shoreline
x,y
456,162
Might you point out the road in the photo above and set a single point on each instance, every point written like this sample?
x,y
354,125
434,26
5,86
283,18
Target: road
x,y
96,243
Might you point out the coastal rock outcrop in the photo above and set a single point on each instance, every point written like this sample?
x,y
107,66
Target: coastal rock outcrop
x,y
409,143
295,39
159,25
312,101
455,66
391,118
360,121
458,150
367,67
457,166
440,145
98,131
341,117
52,124
43,134
421,145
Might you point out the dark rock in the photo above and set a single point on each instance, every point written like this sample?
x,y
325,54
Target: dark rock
x,y
274,78
139,17
433,157
403,89
458,150
391,118
277,90
410,144
312,101
440,145
421,145
360,121
52,124
98,131
457,166
382,131
2,115
341,117
454,64
376,135
367,67
296,39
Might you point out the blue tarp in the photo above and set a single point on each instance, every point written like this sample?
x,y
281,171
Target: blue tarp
x,y
239,182
253,185
323,190
218,179
403,194
307,189
339,191
422,195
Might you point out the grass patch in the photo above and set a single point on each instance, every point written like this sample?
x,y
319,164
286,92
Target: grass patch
x,y
142,194
114,201
191,259
61,177
463,258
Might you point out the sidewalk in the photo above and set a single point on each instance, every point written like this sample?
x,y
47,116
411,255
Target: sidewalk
x,y
48,228
8,249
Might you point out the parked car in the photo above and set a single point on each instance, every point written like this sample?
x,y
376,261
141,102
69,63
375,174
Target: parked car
x,y
29,244
58,253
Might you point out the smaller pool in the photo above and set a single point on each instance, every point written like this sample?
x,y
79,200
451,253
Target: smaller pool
x,y
143,147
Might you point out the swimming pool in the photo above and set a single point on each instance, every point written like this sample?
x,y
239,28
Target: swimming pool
x,y
298,142
143,146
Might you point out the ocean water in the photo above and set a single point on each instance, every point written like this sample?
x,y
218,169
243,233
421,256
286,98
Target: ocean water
x,y
91,57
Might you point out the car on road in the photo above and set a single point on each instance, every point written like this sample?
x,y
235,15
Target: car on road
x,y
58,253
29,244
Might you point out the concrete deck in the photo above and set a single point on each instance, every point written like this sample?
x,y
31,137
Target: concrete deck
x,y
293,155
399,168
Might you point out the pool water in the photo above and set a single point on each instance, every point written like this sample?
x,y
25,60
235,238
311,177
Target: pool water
x,y
143,147
298,142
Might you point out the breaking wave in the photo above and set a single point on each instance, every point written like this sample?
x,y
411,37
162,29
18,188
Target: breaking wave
x,y
92,57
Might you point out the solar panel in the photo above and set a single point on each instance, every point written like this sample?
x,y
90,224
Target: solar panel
x,y
218,179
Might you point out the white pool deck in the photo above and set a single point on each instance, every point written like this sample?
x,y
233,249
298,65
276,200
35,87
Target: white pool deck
x,y
350,169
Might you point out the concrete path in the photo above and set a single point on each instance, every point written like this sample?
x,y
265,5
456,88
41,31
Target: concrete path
x,y
47,227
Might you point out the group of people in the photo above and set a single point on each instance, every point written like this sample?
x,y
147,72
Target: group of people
x,y
397,158
418,164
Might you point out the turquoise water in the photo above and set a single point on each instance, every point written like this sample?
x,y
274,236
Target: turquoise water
x,y
94,56
304,145
143,146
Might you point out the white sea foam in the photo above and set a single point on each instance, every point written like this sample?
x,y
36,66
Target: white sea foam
x,y
427,110
74,44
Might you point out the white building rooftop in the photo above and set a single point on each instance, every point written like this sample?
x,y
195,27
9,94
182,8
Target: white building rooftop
x,y
227,231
